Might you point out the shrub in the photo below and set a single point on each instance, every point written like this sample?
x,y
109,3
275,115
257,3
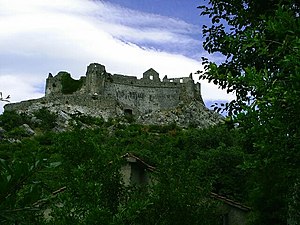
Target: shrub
x,y
11,119
48,119
69,85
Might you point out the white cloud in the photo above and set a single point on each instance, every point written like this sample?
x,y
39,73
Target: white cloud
x,y
37,37
19,87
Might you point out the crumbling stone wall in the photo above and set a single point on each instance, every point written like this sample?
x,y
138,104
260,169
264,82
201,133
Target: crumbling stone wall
x,y
144,98
102,90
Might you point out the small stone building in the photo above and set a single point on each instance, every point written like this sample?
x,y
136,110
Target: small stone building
x,y
137,172
232,213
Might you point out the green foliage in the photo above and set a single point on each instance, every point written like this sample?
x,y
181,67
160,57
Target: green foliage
x,y
94,191
10,120
21,192
88,120
17,132
47,119
129,118
260,42
69,85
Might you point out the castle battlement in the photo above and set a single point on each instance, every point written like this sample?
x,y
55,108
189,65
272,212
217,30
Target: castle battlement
x,y
97,79
115,93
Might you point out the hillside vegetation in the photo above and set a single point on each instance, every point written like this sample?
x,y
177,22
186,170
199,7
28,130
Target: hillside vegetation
x,y
73,177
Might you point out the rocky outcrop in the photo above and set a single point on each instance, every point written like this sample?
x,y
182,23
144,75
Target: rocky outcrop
x,y
2,133
194,115
27,130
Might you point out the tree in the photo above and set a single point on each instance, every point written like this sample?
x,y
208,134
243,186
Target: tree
x,y
23,196
74,177
261,47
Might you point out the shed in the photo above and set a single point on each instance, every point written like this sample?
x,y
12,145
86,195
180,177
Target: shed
x,y
135,171
232,212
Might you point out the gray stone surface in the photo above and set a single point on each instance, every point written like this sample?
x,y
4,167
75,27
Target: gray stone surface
x,y
149,100
2,133
194,114
12,140
27,129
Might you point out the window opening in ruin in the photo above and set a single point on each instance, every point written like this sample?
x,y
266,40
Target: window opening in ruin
x,y
128,115
127,112
67,102
151,77
54,85
138,175
181,81
225,220
171,80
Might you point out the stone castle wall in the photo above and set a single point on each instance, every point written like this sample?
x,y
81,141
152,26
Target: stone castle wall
x,y
144,99
102,91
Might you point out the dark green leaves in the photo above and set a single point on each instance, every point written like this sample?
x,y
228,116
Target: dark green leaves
x,y
69,85
260,44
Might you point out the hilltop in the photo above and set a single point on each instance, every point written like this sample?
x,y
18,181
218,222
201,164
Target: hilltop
x,y
149,100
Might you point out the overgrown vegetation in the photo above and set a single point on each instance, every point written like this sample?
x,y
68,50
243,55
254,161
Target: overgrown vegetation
x,y
69,85
12,122
260,43
45,120
77,175
252,158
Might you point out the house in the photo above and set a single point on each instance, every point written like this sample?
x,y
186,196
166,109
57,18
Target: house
x,y
137,172
232,213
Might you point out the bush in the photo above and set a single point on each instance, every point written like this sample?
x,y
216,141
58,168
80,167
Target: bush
x,y
89,120
48,119
11,119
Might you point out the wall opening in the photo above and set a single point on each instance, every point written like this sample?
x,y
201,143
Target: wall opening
x,y
225,220
151,77
171,80
138,175
127,112
128,115
181,80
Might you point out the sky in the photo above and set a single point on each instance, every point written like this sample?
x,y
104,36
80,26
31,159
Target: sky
x,y
38,37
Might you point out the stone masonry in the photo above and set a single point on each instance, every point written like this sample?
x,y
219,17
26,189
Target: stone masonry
x,y
106,95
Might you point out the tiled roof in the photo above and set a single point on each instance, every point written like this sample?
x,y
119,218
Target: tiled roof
x,y
132,158
230,202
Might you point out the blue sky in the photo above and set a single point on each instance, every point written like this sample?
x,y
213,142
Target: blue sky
x,y
127,36
181,9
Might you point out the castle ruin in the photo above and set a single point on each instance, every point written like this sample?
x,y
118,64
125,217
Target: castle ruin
x,y
100,89
100,93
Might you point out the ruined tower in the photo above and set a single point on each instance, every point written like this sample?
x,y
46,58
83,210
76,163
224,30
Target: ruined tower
x,y
95,78
54,84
